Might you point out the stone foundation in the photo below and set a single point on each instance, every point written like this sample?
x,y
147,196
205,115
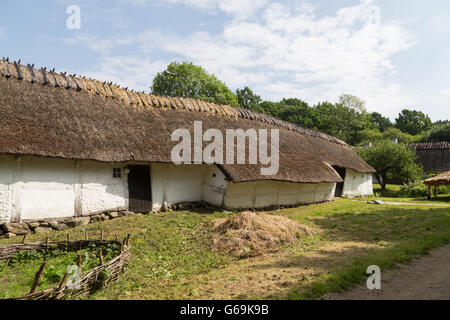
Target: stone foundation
x,y
10,230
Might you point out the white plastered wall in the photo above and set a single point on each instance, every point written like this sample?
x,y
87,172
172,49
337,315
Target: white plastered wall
x,y
357,184
174,184
261,194
6,184
214,186
99,190
39,188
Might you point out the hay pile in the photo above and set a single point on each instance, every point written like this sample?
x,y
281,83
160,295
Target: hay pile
x,y
250,234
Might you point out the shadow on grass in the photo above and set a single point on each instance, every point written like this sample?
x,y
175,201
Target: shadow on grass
x,y
383,236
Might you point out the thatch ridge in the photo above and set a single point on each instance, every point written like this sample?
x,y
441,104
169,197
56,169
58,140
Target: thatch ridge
x,y
104,123
141,99
430,145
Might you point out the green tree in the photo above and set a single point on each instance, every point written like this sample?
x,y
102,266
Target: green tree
x,y
438,134
326,119
296,111
413,122
392,161
269,108
441,122
247,99
354,118
394,133
382,122
188,80
371,135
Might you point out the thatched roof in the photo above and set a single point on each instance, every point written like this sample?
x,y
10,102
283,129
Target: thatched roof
x,y
57,115
441,179
430,145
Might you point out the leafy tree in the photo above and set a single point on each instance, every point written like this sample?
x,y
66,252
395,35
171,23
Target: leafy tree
x,y
374,136
296,111
392,161
441,122
382,122
394,133
413,122
247,99
371,135
269,108
188,80
326,119
438,134
353,103
351,112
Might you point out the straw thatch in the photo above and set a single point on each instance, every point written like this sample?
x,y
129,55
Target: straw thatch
x,y
54,115
433,156
439,180
250,234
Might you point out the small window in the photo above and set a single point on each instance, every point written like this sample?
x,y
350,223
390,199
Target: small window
x,y
117,172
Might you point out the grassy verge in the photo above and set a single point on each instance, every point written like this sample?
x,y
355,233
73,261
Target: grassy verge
x,y
171,256
392,194
17,275
398,234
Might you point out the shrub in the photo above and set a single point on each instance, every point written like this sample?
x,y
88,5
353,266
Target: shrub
x,y
413,190
444,190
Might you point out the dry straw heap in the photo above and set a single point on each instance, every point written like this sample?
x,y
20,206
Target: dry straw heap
x,y
109,272
250,234
50,114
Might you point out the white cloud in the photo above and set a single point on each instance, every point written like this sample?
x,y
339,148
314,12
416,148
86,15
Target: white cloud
x,y
128,71
287,51
98,44
294,53
237,8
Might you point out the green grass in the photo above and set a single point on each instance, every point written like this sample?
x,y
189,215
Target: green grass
x,y
401,233
17,275
171,254
391,194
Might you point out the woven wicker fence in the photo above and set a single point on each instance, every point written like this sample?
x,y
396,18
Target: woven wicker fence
x,y
107,272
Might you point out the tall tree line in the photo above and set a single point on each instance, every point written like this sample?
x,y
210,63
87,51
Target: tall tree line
x,y
346,119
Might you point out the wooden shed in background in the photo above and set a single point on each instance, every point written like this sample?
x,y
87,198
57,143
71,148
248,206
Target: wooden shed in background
x,y
433,156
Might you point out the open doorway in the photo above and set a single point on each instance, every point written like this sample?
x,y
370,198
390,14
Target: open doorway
x,y
139,188
340,185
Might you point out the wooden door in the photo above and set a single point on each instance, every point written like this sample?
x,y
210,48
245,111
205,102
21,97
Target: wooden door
x,y
340,185
139,188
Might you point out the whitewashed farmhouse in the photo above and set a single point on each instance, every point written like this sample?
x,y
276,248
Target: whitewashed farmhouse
x,y
72,146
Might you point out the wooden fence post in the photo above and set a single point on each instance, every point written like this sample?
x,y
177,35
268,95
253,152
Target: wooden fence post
x,y
63,280
100,255
38,277
80,265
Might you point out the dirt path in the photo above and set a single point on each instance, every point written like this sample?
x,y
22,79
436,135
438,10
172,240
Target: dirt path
x,y
423,279
416,204
411,204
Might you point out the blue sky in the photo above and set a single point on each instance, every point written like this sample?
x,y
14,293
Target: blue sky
x,y
392,54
